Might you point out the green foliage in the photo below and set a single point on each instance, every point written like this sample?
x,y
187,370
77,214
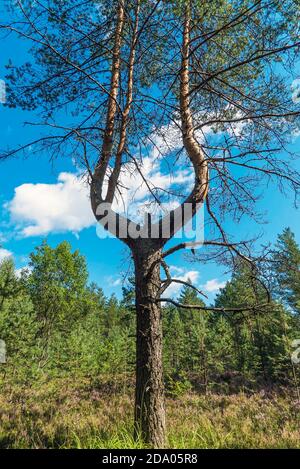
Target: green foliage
x,y
56,284
258,338
18,324
177,385
286,266
71,352
55,324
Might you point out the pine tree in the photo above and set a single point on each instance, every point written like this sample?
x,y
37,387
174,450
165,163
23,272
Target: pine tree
x,y
260,350
18,325
195,324
175,341
286,269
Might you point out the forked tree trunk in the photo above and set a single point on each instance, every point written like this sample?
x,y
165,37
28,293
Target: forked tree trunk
x,y
149,394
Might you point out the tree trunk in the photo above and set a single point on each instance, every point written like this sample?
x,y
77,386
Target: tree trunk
x,y
149,394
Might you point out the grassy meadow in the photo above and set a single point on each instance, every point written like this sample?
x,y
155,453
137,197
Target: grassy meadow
x,y
65,413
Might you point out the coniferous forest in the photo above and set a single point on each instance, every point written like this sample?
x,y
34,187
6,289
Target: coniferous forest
x,y
69,375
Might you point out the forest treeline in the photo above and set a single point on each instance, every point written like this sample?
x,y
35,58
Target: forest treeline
x,y
55,323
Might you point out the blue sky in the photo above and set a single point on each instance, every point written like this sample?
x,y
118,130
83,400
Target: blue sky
x,y
29,184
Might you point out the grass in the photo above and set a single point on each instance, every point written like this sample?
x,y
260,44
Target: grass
x,y
62,413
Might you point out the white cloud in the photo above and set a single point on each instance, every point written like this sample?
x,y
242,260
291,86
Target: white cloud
x,y
191,276
213,285
4,253
39,209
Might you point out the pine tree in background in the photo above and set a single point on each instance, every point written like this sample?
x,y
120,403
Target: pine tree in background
x,y
260,350
286,269
195,326
56,282
175,341
18,325
8,281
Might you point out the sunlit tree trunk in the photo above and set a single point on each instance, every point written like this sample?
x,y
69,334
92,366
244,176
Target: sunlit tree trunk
x,y
149,395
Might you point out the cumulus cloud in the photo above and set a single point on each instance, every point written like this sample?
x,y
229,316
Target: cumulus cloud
x,y
4,253
213,285
191,276
39,209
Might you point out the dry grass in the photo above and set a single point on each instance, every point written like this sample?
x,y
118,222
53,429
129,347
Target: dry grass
x,y
65,414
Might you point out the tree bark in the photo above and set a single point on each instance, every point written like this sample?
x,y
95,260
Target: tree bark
x,y
149,394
